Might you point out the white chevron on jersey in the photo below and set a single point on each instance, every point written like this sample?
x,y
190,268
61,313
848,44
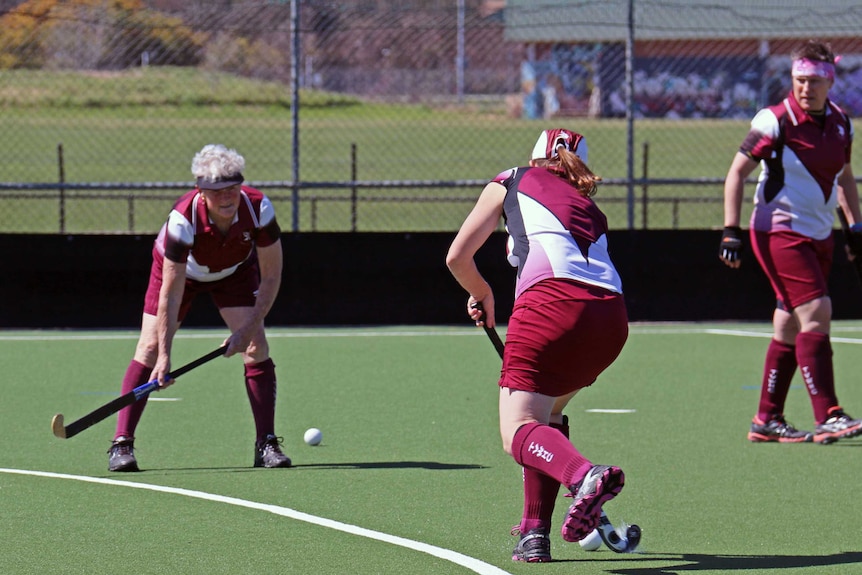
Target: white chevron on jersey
x,y
798,206
554,253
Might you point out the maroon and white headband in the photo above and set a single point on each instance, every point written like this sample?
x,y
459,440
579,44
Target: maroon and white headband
x,y
549,140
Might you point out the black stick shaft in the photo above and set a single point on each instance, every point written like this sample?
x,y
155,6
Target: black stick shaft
x,y
490,331
139,392
495,339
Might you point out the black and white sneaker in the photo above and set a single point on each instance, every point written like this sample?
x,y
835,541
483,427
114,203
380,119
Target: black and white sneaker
x,y
777,429
534,546
838,426
268,453
121,455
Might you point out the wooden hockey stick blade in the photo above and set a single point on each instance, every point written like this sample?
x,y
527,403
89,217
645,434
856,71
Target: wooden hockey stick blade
x,y
124,400
57,426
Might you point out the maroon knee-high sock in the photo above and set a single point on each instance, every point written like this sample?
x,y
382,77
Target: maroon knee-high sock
x,y
128,417
544,449
261,387
814,354
540,493
778,372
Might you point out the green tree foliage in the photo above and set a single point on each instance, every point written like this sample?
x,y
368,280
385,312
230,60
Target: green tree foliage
x,y
94,35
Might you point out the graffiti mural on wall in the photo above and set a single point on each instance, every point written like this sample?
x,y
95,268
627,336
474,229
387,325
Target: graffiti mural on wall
x,y
589,80
692,88
562,83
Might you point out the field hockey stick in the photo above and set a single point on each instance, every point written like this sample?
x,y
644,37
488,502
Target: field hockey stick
x,y
624,539
492,333
110,408
845,227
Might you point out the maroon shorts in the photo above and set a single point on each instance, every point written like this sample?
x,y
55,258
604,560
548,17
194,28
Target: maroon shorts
x,y
236,290
797,266
561,336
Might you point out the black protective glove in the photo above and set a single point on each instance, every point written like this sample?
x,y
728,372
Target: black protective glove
x,y
854,240
731,244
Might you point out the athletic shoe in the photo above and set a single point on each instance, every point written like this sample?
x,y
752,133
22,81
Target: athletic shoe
x,y
121,455
268,453
534,546
601,484
838,426
777,429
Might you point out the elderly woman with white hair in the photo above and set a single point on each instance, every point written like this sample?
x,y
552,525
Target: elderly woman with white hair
x,y
221,238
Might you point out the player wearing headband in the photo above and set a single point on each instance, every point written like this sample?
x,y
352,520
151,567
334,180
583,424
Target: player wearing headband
x,y
803,146
568,324
222,239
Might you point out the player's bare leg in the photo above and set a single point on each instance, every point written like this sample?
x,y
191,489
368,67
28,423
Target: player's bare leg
x,y
260,383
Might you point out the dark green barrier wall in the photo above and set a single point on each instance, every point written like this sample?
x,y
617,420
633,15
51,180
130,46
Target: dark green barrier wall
x,y
372,279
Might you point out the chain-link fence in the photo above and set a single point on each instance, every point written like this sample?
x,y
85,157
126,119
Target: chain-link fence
x,y
405,108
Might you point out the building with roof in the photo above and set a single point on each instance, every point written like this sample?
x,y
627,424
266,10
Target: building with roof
x,y
691,58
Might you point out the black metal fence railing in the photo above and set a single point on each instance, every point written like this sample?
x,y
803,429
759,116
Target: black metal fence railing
x,y
138,200
438,97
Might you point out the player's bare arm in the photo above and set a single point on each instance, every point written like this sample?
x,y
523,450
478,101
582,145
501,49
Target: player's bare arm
x,y
479,225
270,261
170,297
848,195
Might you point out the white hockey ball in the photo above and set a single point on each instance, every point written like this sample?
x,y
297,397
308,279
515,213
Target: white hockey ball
x,y
313,436
592,541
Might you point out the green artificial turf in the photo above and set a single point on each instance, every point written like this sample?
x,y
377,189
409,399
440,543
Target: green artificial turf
x,y
411,450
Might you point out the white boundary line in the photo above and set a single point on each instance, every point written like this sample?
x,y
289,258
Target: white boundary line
x,y
271,333
739,333
470,563
403,331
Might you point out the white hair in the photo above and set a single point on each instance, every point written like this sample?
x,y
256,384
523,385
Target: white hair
x,y
215,162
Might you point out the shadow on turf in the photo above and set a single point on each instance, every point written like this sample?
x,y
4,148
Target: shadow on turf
x,y
729,563
430,465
